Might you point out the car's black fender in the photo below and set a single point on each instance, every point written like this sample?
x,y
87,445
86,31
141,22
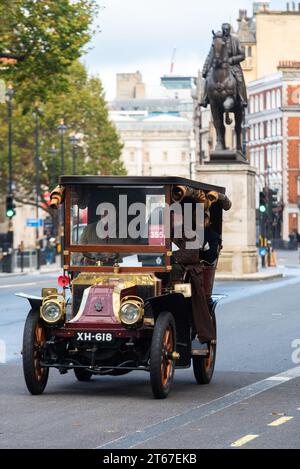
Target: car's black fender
x,y
35,301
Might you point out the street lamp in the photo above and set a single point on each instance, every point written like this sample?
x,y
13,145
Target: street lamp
x,y
74,141
9,100
37,113
62,128
53,174
10,206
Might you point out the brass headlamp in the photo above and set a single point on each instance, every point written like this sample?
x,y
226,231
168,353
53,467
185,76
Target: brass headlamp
x,y
131,310
53,309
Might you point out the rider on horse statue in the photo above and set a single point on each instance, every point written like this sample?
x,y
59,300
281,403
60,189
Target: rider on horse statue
x,y
236,55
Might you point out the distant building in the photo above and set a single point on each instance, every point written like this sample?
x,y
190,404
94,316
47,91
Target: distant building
x,y
130,86
274,139
157,130
162,145
268,37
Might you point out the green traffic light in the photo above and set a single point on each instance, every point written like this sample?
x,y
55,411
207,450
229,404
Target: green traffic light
x,y
262,209
10,213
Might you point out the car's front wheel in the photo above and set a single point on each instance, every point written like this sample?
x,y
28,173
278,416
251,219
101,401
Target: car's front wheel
x,y
34,339
162,365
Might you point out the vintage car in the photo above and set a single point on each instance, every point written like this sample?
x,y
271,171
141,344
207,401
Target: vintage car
x,y
124,302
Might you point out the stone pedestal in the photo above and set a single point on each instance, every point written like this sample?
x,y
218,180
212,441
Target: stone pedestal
x,y
239,255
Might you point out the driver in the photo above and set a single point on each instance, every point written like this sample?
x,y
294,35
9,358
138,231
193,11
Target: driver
x,y
100,232
189,260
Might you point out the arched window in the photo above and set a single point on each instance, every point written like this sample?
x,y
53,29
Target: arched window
x,y
262,160
273,103
278,127
261,102
278,98
251,105
261,131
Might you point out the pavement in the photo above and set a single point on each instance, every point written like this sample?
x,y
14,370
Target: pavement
x,y
252,402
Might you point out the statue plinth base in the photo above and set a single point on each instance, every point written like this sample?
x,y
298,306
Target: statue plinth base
x,y
239,256
226,156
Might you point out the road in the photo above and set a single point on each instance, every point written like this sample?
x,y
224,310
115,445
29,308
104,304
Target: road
x,y
252,402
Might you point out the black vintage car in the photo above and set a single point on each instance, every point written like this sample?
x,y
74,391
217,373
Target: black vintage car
x,y
126,298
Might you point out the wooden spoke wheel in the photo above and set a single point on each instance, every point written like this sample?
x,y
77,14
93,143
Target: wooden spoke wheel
x,y
204,366
34,338
162,365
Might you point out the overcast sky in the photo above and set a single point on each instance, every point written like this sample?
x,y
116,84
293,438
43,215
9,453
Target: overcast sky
x,y
141,35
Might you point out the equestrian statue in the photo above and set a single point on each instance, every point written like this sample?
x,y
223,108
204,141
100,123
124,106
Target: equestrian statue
x,y
225,88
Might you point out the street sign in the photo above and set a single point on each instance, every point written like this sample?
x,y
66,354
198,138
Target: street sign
x,y
34,222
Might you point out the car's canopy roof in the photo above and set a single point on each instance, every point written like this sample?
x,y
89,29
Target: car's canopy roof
x,y
138,180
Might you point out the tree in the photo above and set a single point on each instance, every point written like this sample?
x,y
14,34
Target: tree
x,y
85,113
47,36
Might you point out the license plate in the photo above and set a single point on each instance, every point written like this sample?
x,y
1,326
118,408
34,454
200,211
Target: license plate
x,y
100,337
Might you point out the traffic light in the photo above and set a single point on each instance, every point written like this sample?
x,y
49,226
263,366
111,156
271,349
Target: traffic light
x,y
262,202
273,199
10,206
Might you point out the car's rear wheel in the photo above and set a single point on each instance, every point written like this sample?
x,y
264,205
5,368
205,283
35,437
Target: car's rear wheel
x,y
83,374
34,339
204,366
162,365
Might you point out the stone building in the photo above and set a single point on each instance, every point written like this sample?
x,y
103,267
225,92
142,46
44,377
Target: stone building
x,y
268,37
274,139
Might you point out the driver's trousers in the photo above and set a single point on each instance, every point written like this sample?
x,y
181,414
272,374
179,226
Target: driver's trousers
x,y
202,319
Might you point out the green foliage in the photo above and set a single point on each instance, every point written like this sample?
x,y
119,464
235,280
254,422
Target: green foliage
x,y
48,36
84,111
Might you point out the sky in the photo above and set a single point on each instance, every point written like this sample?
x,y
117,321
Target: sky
x,y
142,34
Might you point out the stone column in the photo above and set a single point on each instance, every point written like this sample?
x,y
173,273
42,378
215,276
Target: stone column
x,y
239,255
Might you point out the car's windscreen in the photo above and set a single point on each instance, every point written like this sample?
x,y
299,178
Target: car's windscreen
x,y
117,215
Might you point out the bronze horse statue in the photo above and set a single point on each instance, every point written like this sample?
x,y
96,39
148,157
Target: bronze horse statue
x,y
222,92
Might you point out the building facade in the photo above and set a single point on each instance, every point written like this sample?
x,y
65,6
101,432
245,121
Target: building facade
x,y
268,37
274,139
161,145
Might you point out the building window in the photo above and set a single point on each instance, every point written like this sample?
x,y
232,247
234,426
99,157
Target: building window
x,y
251,105
273,104
132,156
249,51
262,161
273,128
261,102
251,133
279,127
261,131
279,162
278,98
256,133
146,157
165,156
268,100
183,156
256,104
269,131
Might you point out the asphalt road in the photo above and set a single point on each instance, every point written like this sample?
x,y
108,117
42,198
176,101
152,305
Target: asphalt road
x,y
252,387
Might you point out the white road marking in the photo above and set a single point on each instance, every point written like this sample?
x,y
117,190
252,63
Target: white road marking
x,y
168,425
243,441
280,421
18,285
